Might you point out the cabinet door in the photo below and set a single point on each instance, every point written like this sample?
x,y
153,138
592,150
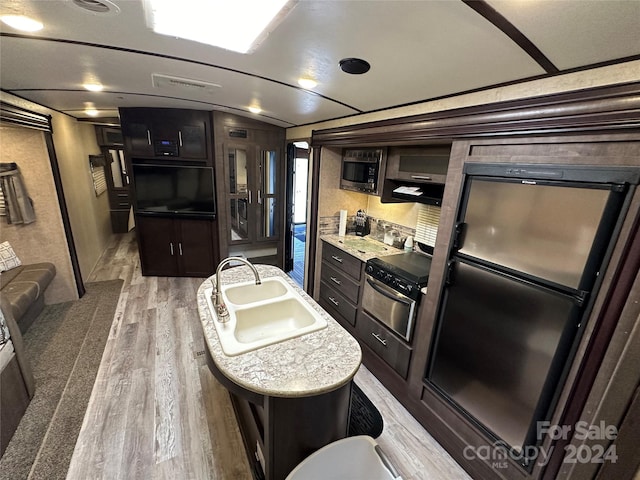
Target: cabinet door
x,y
137,139
196,240
267,217
157,245
423,164
239,163
192,140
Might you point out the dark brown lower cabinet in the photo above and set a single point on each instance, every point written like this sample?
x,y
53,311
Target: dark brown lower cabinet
x,y
177,247
280,432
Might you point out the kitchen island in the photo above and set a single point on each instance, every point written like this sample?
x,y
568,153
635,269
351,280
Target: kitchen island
x,y
290,398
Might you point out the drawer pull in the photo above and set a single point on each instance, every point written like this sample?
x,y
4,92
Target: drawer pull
x,y
336,281
333,300
337,259
420,177
379,338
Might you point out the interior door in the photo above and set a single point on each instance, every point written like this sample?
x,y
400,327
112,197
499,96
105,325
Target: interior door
x,y
289,194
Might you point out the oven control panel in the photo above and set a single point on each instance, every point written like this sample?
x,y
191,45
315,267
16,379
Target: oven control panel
x,y
393,280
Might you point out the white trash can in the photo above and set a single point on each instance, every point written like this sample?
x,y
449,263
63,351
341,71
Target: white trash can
x,y
352,458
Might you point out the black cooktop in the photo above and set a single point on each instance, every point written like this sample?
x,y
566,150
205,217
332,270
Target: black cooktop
x,y
412,266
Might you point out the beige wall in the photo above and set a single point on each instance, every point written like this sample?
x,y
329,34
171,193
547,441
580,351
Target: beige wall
x,y
333,199
89,215
44,239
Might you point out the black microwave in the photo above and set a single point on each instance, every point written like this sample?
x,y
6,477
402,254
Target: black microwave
x,y
363,170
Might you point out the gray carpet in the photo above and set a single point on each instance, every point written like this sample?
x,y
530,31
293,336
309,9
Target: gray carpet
x,y
65,346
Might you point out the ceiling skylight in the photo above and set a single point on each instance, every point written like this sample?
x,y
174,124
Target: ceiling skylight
x,y
238,25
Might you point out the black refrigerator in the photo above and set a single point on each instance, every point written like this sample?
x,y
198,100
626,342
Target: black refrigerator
x,y
529,243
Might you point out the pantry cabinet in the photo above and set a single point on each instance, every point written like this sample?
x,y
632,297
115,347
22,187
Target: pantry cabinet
x,y
251,164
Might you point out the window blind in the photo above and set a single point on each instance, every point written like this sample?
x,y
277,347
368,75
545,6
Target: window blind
x,y
427,225
97,173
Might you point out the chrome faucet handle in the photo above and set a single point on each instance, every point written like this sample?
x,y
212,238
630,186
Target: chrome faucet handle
x,y
221,308
223,313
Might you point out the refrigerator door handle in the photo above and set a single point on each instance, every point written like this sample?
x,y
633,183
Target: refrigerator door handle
x,y
451,272
458,236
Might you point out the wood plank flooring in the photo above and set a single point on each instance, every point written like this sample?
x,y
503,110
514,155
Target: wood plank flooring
x,y
156,411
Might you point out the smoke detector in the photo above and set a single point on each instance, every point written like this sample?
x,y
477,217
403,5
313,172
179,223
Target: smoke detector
x,y
96,7
185,84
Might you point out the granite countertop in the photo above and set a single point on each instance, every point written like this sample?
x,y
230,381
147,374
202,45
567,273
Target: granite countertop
x,y
363,248
311,364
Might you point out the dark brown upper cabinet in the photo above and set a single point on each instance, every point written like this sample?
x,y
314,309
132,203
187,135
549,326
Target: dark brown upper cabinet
x,y
167,133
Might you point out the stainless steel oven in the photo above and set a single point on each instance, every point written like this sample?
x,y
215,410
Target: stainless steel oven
x,y
392,290
395,310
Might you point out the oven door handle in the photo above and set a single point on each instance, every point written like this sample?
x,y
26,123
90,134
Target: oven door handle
x,y
387,292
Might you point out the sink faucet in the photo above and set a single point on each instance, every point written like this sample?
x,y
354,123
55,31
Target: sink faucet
x,y
218,303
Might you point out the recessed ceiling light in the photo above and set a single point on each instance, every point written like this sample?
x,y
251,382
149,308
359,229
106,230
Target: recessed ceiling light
x,y
92,112
230,25
307,83
20,22
93,87
254,109
354,66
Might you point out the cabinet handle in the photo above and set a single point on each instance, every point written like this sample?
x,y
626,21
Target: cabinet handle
x,y
259,197
333,300
420,177
180,248
249,197
148,136
180,137
379,338
171,247
337,259
336,281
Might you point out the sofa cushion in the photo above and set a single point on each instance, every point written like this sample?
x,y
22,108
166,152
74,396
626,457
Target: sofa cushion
x,y
23,288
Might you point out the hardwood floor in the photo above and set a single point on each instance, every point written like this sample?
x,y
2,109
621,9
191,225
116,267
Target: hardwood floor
x,y
157,412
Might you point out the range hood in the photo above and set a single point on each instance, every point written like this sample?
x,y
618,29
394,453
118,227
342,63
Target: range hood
x,y
396,191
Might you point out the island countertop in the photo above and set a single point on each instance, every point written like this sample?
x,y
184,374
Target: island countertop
x,y
311,364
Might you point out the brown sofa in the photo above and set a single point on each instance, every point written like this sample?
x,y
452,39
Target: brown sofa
x,y
23,287
16,379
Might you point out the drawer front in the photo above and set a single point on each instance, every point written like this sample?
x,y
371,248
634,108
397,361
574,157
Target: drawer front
x,y
119,200
340,281
385,344
341,260
336,302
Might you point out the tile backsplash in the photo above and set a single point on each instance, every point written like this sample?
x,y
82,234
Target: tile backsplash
x,y
329,226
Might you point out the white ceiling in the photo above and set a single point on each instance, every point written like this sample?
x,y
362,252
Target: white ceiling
x,y
418,50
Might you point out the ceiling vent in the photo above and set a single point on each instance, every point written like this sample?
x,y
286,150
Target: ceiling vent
x,y
184,84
